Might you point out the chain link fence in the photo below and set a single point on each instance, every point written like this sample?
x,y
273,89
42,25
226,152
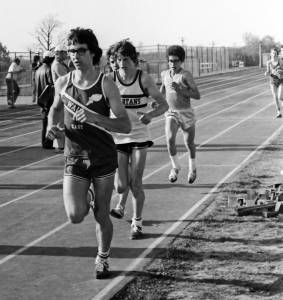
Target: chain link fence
x,y
199,61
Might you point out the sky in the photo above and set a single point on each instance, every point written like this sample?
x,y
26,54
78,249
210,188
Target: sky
x,y
145,22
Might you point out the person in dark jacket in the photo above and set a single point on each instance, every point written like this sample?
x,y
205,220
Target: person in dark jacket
x,y
36,63
44,94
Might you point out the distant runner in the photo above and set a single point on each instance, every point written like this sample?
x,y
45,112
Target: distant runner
x,y
179,87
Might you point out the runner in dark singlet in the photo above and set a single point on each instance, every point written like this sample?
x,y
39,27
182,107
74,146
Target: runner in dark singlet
x,y
85,97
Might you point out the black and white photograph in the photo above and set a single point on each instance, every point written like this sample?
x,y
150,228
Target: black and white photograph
x,y
141,150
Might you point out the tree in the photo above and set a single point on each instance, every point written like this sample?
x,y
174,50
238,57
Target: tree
x,y
46,31
268,42
4,53
4,58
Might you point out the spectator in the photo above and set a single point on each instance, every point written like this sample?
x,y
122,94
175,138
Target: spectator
x,y
44,91
34,66
12,77
58,69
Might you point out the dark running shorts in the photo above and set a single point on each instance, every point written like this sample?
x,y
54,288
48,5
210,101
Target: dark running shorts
x,y
81,167
274,80
128,147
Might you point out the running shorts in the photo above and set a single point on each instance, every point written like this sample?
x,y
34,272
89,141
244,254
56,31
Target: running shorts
x,y
82,168
127,148
184,118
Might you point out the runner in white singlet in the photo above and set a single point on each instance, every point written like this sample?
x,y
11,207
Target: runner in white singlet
x,y
179,87
135,87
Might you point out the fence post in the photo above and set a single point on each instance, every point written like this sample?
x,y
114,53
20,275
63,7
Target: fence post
x,y
158,69
260,54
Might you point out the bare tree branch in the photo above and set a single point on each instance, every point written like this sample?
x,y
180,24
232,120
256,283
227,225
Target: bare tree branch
x,y
46,30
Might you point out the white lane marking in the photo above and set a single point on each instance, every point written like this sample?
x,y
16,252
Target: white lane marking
x,y
20,135
29,165
220,99
19,125
43,237
225,109
136,262
226,83
116,281
19,149
157,170
31,193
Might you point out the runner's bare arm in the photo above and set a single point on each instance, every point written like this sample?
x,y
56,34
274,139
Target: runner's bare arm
x,y
190,90
161,104
162,87
56,113
267,72
120,123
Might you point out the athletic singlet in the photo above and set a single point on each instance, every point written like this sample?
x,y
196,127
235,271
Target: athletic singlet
x,y
272,66
174,101
134,98
83,139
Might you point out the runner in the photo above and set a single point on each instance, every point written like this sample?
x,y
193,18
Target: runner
x,y
85,97
112,59
135,87
275,71
179,87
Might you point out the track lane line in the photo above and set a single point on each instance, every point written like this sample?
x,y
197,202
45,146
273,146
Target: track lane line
x,y
138,261
153,245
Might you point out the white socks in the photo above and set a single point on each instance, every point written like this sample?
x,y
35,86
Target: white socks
x,y
175,162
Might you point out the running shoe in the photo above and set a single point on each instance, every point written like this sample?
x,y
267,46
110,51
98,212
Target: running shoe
x,y
91,196
101,268
173,176
117,212
192,176
136,232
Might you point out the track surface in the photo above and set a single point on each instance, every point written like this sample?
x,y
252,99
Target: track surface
x,y
43,256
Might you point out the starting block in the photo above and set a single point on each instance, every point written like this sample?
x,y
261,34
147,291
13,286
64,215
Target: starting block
x,y
267,202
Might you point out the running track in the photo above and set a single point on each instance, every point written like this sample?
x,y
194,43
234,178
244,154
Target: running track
x,y
43,256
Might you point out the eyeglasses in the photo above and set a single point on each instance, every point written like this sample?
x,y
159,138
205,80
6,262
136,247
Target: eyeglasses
x,y
79,51
174,60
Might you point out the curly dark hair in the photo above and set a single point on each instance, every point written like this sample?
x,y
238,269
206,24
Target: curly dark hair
x,y
126,48
86,36
176,50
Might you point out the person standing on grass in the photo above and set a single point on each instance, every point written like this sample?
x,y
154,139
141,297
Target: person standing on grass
x,y
12,77
135,87
85,97
179,87
275,71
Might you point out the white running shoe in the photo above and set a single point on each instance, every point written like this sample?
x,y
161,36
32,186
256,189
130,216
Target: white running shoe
x,y
101,268
173,176
192,176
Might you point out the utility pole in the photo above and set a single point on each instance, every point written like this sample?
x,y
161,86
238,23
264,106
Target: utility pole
x,y
260,54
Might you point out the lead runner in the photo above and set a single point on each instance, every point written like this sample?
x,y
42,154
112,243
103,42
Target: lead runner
x,y
84,97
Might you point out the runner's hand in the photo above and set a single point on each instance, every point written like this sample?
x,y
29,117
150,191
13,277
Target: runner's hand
x,y
144,117
52,133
